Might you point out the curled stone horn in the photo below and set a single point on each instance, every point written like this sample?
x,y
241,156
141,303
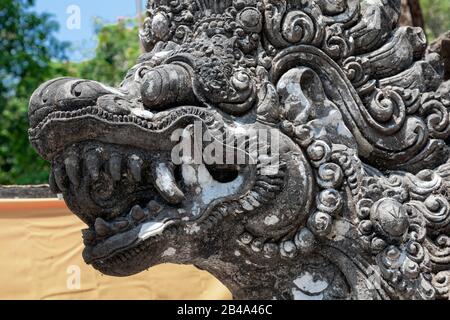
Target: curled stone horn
x,y
167,85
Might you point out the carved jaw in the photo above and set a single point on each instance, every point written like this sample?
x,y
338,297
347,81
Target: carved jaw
x,y
137,206
127,190
112,162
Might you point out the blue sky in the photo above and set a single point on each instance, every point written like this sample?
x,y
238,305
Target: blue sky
x,y
83,39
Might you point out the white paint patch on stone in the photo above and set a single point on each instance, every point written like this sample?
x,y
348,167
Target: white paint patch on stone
x,y
204,177
145,114
164,180
189,174
301,168
339,230
343,130
151,229
111,90
163,54
298,295
169,252
307,284
237,253
238,130
192,229
195,210
271,220
289,246
366,3
216,190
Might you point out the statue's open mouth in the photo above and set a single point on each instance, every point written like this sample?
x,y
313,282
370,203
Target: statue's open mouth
x,y
123,238
128,191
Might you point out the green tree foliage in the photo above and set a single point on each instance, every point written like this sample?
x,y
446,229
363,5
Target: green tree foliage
x,y
116,52
30,55
27,49
437,17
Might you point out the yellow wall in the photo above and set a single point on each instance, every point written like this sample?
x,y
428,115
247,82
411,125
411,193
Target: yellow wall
x,y
40,254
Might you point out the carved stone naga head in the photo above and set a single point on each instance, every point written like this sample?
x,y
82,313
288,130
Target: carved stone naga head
x,y
358,206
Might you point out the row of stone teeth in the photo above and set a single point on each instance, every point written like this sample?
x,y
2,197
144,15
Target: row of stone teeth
x,y
129,254
71,167
94,111
164,121
161,172
137,215
263,191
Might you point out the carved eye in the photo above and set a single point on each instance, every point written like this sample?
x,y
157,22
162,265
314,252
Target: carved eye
x,y
142,72
88,90
77,92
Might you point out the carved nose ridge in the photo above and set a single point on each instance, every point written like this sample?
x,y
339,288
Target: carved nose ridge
x,y
63,94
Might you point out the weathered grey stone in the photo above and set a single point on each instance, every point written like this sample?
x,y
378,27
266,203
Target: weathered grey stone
x,y
352,200
26,192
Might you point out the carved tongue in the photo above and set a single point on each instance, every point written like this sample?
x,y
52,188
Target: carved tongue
x,y
151,229
166,184
157,225
126,238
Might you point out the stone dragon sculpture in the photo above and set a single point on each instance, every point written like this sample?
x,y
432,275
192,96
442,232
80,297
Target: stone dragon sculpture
x,y
358,207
